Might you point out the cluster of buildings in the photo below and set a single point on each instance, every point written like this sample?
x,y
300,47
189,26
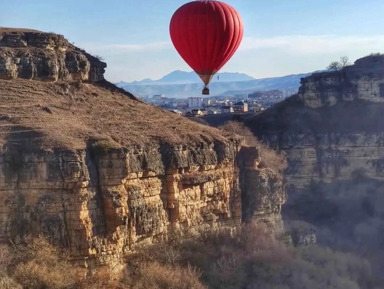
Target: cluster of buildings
x,y
199,106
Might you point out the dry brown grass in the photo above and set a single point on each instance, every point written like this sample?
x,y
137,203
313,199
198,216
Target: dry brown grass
x,y
269,157
10,29
35,264
8,283
66,115
153,275
5,257
35,275
102,278
250,258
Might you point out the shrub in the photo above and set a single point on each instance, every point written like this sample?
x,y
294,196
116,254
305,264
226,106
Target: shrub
x,y
251,258
102,147
5,258
36,264
154,275
102,278
36,275
247,258
8,283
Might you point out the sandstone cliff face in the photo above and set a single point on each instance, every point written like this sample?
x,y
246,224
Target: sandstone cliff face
x,y
102,204
333,136
364,80
262,190
43,56
333,129
329,157
101,173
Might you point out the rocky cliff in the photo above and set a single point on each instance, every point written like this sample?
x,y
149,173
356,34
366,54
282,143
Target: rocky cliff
x,y
333,134
361,81
31,54
100,172
333,129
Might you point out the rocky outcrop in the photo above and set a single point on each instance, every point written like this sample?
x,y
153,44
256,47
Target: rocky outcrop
x,y
262,190
329,157
362,81
333,129
333,134
101,173
43,56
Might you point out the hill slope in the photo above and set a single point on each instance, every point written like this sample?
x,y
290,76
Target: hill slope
x,y
55,95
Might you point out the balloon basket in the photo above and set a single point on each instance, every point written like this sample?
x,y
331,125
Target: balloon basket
x,y
205,91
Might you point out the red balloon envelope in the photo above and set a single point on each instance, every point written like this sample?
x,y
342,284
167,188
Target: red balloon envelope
x,y
206,34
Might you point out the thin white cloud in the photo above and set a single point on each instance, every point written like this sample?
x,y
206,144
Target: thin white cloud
x,y
313,44
307,44
259,57
156,46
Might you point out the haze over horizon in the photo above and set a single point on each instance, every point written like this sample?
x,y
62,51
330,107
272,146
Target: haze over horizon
x,y
280,37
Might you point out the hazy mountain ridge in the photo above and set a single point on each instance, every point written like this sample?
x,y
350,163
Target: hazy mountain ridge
x,y
184,84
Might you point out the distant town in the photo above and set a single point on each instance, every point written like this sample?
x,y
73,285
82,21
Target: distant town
x,y
200,106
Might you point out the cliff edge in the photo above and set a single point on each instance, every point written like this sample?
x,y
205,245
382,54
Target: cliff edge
x,y
32,54
100,172
332,132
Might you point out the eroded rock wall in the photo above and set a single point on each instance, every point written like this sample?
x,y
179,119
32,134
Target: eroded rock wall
x,y
333,134
333,129
329,157
262,190
103,203
46,57
362,81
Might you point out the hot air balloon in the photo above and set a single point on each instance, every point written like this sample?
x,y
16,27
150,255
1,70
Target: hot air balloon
x,y
206,34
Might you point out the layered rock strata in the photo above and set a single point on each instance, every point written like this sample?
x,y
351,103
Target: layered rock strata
x,y
362,81
31,54
333,134
101,173
333,129
262,190
102,204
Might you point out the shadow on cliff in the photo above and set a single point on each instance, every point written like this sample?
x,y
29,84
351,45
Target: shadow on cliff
x,y
291,116
348,215
18,168
19,141
23,138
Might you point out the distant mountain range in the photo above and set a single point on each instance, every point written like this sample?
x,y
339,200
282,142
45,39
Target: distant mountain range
x,y
185,84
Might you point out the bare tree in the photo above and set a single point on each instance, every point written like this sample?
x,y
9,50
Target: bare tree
x,y
334,66
344,61
337,65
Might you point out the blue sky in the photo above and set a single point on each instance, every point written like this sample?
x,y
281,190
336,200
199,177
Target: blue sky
x,y
280,37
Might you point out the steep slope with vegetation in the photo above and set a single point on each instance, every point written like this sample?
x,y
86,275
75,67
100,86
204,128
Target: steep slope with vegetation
x,y
251,258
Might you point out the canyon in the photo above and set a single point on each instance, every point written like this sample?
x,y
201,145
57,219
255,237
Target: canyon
x,y
332,135
101,173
